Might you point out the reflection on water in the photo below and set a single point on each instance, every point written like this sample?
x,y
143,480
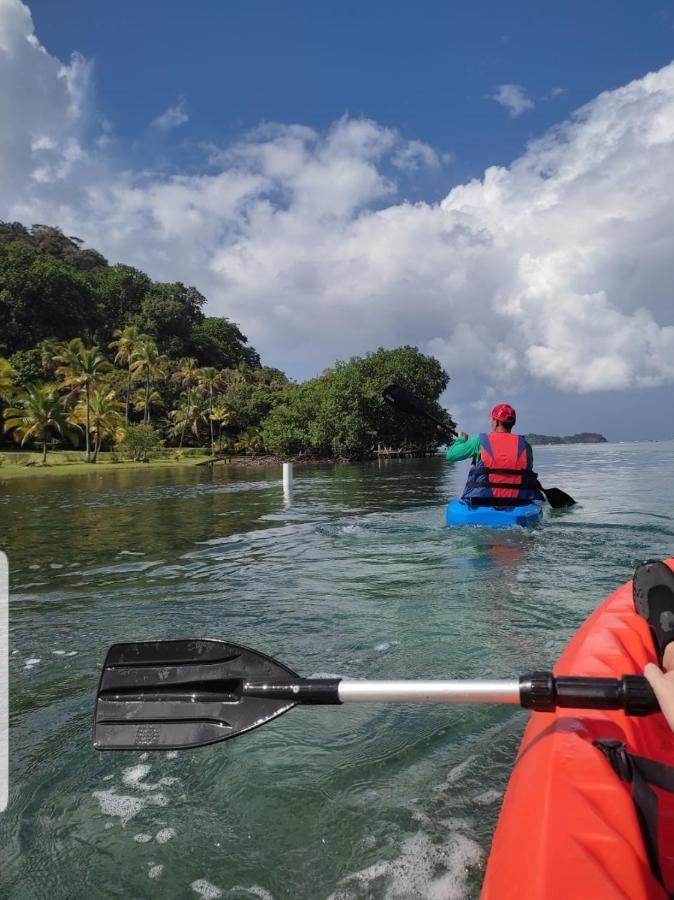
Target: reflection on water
x,y
352,573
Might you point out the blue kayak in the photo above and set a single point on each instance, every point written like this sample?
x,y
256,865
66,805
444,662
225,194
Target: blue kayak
x,y
460,513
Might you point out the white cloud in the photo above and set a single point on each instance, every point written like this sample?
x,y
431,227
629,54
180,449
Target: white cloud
x,y
42,102
173,117
514,97
555,270
415,155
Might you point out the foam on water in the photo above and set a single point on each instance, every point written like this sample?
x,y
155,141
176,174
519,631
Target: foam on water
x,y
142,838
386,645
165,835
125,807
254,890
455,774
422,871
488,797
205,889
30,663
155,871
133,777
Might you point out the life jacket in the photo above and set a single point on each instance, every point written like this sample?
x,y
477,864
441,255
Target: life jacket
x,y
500,476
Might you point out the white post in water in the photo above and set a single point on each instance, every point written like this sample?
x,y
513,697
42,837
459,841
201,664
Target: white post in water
x,y
287,479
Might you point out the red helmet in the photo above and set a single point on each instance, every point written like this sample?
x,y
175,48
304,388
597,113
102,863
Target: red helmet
x,y
503,412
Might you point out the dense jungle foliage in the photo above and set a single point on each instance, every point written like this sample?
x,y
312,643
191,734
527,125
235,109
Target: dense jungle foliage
x,y
97,356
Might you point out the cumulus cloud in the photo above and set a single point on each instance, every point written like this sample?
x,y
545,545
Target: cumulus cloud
x,y
514,97
415,155
42,103
555,270
173,117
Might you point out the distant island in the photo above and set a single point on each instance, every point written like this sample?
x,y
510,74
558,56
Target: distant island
x,y
585,437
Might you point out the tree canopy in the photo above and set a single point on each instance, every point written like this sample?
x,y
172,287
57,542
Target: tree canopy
x,y
120,357
51,288
342,413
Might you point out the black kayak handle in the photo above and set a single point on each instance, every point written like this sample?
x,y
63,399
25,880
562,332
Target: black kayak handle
x,y
543,692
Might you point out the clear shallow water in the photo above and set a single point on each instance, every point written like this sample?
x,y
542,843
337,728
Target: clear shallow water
x,y
356,576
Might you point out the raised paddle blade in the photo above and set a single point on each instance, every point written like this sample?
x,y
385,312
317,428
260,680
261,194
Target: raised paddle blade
x,y
557,498
404,400
172,695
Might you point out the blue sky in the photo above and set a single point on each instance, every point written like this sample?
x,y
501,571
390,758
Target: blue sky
x,y
425,69
493,183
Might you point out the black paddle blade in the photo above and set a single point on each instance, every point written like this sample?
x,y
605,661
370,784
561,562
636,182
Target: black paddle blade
x,y
406,401
557,498
403,399
171,695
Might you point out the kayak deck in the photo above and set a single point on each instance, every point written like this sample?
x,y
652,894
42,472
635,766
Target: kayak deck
x,y
460,513
568,826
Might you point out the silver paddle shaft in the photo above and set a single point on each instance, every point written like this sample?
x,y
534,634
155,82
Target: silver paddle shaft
x,y
497,691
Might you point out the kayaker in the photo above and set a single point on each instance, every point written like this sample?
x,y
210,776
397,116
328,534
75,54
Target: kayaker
x,y
653,590
502,471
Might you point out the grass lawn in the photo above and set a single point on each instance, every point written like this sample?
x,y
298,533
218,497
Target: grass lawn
x,y
66,463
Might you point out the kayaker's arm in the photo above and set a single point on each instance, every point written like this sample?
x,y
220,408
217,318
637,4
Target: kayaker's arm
x,y
463,448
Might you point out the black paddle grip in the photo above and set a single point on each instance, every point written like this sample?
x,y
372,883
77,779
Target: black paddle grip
x,y
542,692
312,691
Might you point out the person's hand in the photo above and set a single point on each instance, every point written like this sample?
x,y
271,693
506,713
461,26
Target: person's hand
x,y
663,688
462,436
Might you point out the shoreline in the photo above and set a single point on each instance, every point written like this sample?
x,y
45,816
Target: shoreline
x,y
12,471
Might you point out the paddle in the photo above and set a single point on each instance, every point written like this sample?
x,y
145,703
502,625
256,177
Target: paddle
x,y
172,695
401,398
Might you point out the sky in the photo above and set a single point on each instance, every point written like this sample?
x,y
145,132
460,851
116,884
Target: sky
x,y
493,183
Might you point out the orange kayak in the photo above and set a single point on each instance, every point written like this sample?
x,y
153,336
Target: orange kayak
x,y
568,827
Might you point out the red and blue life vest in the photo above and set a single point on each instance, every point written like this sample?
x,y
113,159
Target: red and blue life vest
x,y
500,476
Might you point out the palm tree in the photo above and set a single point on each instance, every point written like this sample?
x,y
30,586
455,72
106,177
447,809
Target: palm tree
x,y
105,413
39,412
79,369
128,342
7,378
148,364
191,412
141,400
222,414
187,373
210,380
48,348
250,440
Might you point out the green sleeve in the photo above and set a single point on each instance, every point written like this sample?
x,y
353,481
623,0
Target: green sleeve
x,y
463,449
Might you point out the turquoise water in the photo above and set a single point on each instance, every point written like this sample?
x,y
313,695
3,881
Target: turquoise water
x,y
356,576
